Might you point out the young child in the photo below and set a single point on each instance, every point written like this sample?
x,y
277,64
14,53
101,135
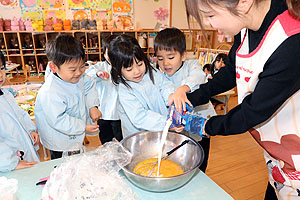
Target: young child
x,y
186,75
110,124
218,63
18,136
68,99
143,91
207,70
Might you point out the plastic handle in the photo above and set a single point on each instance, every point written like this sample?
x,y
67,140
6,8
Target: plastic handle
x,y
172,151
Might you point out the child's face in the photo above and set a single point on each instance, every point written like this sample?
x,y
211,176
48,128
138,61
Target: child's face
x,y
219,64
207,72
169,61
70,71
136,72
2,74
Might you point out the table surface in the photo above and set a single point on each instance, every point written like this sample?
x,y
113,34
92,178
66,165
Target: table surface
x,y
198,188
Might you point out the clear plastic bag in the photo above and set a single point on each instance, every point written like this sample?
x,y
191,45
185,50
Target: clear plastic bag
x,y
8,188
92,175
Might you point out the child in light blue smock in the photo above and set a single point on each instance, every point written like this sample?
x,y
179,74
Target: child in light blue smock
x,y
18,135
187,75
143,91
67,103
110,123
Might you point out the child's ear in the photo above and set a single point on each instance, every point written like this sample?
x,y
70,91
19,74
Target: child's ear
x,y
184,56
53,67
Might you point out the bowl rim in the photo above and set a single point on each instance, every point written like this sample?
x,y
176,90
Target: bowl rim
x,y
164,178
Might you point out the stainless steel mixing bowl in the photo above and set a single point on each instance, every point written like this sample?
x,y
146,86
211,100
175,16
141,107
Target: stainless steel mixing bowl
x,y
145,145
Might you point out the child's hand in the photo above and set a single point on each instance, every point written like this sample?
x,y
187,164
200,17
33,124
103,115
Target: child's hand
x,y
102,74
91,128
178,129
179,98
24,164
95,114
35,137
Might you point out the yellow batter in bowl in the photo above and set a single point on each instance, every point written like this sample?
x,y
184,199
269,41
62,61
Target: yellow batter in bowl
x,y
149,167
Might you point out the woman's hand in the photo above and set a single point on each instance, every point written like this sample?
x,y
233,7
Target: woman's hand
x,y
24,164
95,114
35,137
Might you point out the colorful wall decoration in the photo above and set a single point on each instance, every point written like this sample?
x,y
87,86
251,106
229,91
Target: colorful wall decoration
x,y
52,3
78,4
99,15
54,14
81,14
34,14
8,3
100,4
123,11
29,3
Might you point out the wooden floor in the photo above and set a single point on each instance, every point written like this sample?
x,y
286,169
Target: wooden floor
x,y
235,163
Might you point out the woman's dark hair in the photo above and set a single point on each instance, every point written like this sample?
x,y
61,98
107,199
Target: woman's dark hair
x,y
64,49
170,39
123,50
2,59
192,9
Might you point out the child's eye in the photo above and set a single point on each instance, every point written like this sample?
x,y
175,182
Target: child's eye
x,y
159,59
128,69
170,58
140,63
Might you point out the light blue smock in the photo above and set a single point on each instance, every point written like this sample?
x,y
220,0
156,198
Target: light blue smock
x,y
62,111
108,94
15,129
143,107
192,75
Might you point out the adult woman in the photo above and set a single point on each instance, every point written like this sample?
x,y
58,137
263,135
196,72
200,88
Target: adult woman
x,y
264,64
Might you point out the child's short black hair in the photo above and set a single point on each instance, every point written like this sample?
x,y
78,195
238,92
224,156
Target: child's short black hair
x,y
208,67
170,39
220,56
122,52
64,49
2,59
107,41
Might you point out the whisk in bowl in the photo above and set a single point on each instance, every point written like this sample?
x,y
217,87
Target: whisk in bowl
x,y
148,168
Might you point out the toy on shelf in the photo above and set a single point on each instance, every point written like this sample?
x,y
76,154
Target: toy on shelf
x,y
58,26
67,25
84,24
120,24
41,45
1,24
92,25
21,24
28,25
75,24
32,65
7,24
28,44
95,41
110,24
100,25
15,24
38,25
48,24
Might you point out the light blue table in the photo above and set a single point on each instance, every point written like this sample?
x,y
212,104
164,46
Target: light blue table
x,y
200,187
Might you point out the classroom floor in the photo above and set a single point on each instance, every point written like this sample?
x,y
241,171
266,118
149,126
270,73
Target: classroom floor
x,y
236,163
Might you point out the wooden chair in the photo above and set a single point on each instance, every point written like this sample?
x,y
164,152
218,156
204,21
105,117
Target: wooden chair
x,y
20,78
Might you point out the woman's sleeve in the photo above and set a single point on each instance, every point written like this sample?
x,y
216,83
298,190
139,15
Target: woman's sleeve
x,y
140,117
278,81
223,81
